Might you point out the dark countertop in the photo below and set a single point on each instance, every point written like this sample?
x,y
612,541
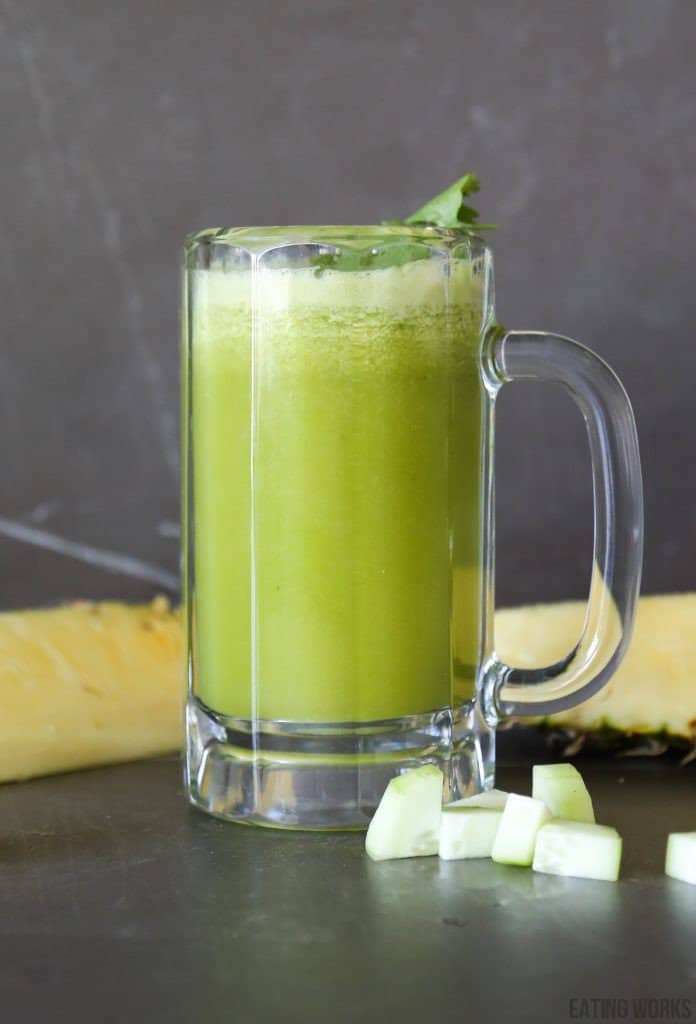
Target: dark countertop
x,y
120,903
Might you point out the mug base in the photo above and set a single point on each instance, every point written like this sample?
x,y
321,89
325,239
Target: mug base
x,y
327,776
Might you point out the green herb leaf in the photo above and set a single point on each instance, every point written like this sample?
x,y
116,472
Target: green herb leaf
x,y
448,209
391,254
341,260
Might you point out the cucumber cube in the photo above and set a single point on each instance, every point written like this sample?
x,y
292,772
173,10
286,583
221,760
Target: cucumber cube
x,y
578,849
561,788
407,820
467,832
681,856
522,818
492,799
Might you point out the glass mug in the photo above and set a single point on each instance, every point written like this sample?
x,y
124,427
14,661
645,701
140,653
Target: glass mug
x,y
339,389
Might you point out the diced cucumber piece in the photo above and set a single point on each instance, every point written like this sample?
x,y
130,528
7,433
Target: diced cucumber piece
x,y
467,832
493,799
680,861
407,820
578,849
561,788
522,818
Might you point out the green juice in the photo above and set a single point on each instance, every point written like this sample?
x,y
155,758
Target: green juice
x,y
337,476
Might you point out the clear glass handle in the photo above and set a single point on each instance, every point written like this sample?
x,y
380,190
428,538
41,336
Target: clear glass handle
x,y
618,522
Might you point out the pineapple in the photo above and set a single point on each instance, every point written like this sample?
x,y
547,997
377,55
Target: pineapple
x,y
654,691
88,684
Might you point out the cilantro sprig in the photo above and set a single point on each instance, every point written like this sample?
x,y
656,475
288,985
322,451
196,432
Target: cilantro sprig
x,y
448,209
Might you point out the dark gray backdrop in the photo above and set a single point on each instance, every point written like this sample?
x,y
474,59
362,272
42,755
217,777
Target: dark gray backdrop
x,y
125,125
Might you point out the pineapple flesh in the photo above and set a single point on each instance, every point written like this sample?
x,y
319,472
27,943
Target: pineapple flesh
x,y
97,683
88,684
653,691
